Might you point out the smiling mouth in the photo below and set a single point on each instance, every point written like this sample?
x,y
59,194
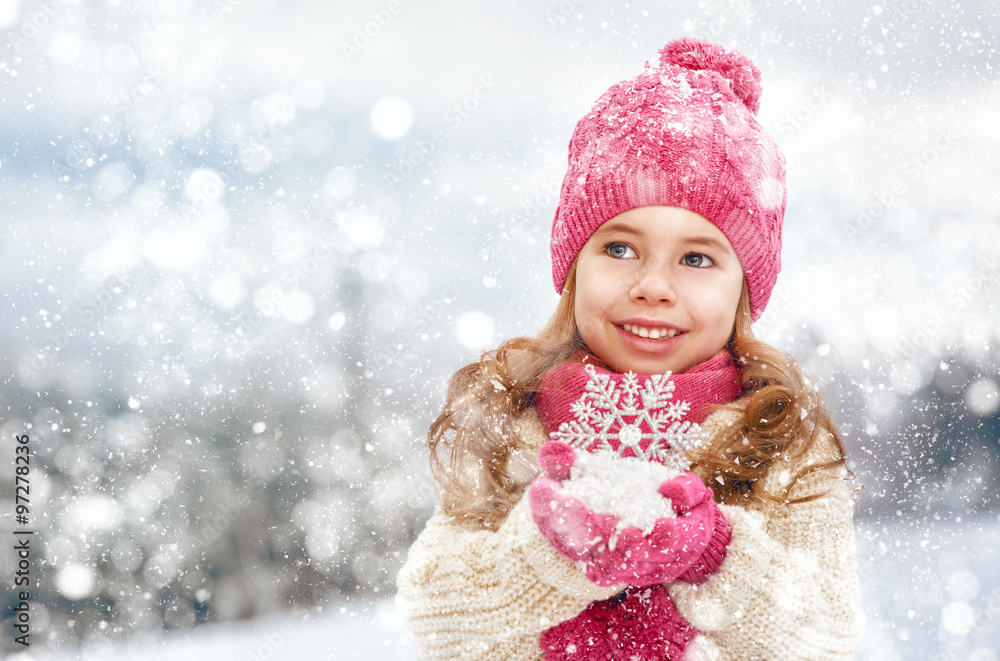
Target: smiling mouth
x,y
651,333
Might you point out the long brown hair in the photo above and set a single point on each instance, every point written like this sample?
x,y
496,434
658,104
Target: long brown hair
x,y
478,459
783,415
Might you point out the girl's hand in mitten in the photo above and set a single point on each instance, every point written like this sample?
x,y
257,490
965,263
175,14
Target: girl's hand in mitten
x,y
687,492
568,525
689,545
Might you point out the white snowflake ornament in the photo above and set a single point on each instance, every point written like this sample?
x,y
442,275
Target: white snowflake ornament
x,y
607,413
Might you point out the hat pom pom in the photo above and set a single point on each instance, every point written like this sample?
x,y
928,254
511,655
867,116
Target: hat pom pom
x,y
696,54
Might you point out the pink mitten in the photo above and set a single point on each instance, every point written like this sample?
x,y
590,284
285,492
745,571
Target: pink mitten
x,y
570,527
689,546
640,623
675,548
684,493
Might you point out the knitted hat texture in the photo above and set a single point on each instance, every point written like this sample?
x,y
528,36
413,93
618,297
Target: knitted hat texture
x,y
681,134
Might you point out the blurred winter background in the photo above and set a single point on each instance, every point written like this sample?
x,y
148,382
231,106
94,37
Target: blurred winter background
x,y
247,242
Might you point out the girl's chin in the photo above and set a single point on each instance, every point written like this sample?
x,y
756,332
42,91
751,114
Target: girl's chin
x,y
624,364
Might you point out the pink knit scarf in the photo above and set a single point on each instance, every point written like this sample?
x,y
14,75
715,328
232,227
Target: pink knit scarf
x,y
713,382
641,623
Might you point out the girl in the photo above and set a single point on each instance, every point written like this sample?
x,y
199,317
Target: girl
x,y
665,248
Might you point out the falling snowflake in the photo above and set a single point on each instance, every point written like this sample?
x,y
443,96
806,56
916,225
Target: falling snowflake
x,y
641,421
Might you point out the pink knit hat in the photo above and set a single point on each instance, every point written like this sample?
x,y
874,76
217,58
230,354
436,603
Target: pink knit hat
x,y
683,134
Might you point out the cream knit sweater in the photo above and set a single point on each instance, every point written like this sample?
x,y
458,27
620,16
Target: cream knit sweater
x,y
788,588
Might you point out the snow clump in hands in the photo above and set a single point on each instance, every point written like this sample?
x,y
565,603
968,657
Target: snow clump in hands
x,y
627,487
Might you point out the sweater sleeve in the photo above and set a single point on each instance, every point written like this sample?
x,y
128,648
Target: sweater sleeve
x,y
788,588
469,593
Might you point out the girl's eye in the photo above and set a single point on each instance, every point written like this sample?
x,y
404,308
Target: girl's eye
x,y
698,260
620,251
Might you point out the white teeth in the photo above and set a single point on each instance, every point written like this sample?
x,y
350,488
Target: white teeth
x,y
652,333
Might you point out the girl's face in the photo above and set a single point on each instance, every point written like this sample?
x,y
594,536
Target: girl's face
x,y
657,289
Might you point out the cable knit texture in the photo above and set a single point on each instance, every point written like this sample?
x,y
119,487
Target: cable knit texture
x,y
682,134
787,588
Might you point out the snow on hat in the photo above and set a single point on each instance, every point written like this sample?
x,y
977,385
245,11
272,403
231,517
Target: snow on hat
x,y
684,134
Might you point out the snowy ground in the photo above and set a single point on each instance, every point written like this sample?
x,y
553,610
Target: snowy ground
x,y
931,591
371,632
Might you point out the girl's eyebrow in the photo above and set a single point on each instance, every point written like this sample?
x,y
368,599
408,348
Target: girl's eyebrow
x,y
619,226
709,242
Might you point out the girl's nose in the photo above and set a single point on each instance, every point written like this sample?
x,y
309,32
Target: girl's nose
x,y
654,285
